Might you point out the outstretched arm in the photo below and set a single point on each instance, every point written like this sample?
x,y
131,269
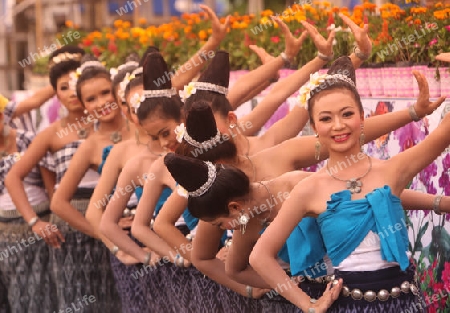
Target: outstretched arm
x,y
60,204
190,69
413,200
165,225
144,213
263,257
35,101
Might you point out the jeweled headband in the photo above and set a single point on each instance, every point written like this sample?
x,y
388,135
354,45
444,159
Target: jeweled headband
x,y
317,80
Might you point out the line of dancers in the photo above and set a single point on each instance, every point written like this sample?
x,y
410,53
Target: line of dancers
x,y
151,195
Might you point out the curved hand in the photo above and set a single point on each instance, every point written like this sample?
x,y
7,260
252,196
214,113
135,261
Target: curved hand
x,y
325,46
222,254
293,44
329,296
126,222
49,232
262,54
423,105
444,57
258,293
361,34
126,258
219,31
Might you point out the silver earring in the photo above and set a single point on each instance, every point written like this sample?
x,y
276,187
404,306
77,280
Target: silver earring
x,y
85,111
232,126
243,220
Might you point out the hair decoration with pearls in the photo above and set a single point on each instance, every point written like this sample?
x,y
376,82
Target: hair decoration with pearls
x,y
137,98
74,76
63,57
182,133
192,88
114,71
316,80
212,173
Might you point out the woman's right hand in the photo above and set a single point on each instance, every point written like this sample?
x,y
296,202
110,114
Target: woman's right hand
x,y
49,232
293,45
257,293
329,296
126,258
325,46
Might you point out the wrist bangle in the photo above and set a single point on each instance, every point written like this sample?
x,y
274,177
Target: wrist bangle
x,y
249,290
363,57
179,261
189,237
413,114
326,58
147,258
312,310
33,221
228,242
114,250
287,62
436,203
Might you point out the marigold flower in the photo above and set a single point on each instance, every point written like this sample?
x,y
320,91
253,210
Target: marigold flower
x,y
118,23
202,35
69,24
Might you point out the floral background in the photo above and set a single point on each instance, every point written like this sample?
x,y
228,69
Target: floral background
x,y
428,232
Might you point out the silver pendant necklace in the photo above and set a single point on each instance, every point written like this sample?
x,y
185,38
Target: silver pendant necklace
x,y
353,184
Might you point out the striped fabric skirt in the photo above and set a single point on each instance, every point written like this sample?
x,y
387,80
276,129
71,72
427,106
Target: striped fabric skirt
x,y
81,269
403,286
25,284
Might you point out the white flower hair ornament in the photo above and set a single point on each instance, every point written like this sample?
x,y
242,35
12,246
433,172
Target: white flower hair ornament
x,y
180,130
123,85
136,101
113,72
187,91
315,80
182,192
73,79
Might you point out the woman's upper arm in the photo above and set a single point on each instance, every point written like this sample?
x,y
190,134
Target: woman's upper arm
x,y
49,179
171,211
239,253
206,242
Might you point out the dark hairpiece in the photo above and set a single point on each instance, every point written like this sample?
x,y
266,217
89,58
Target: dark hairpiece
x,y
63,61
230,183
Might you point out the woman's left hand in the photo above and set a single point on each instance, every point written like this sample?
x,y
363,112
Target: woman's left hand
x,y
361,34
423,105
219,30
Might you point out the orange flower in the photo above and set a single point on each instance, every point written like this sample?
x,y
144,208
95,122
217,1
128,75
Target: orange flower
x,y
118,23
409,18
69,24
341,9
267,13
202,35
187,29
126,24
142,21
417,21
143,40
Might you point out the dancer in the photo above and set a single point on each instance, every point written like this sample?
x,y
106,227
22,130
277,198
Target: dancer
x,y
82,255
62,62
376,277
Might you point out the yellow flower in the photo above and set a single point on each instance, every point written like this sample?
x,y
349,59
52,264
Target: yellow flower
x,y
202,35
3,103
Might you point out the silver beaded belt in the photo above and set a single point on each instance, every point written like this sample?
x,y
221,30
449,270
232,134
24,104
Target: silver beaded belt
x,y
320,280
382,295
38,209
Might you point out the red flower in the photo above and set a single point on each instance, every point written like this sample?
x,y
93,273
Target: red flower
x,y
330,19
112,46
87,42
96,51
275,39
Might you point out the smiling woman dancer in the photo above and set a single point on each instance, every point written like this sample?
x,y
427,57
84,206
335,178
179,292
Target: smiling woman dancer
x,y
62,62
82,254
379,278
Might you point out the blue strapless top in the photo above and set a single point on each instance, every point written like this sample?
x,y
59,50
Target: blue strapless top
x,y
346,223
306,249
105,155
